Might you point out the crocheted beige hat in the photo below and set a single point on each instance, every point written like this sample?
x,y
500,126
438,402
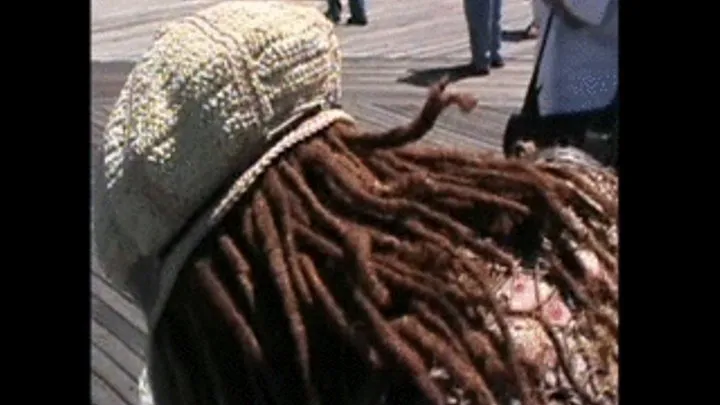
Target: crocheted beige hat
x,y
218,96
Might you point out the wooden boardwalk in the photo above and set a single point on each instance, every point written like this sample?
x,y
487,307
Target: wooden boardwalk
x,y
387,66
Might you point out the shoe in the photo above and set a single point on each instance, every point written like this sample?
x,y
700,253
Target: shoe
x,y
532,31
472,70
497,62
332,18
357,21
480,71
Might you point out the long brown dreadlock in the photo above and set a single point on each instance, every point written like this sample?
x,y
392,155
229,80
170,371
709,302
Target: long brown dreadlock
x,y
363,270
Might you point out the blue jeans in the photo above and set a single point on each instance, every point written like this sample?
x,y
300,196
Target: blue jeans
x,y
483,18
357,9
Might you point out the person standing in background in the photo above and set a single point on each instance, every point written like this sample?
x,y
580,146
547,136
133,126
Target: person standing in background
x,y
358,16
539,14
573,100
483,18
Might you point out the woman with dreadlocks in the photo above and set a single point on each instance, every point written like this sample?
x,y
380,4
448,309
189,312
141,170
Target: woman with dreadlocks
x,y
284,256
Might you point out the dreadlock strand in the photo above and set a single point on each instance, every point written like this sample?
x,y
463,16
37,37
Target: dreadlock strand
x,y
339,146
317,210
358,248
210,360
435,322
321,244
484,351
298,210
521,377
430,156
438,100
396,206
579,294
466,235
479,172
413,330
383,169
574,227
581,233
280,276
593,275
357,244
253,355
419,282
401,207
419,184
242,270
578,183
565,362
394,163
248,229
336,315
393,346
393,160
346,159
445,309
278,195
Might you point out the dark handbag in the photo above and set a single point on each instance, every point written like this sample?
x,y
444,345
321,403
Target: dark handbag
x,y
600,138
594,131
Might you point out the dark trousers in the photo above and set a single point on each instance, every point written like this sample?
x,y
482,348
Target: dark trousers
x,y
357,9
483,19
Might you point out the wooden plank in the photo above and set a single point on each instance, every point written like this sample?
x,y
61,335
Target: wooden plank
x,y
119,302
102,393
123,29
97,271
122,384
397,27
131,363
400,28
106,80
105,315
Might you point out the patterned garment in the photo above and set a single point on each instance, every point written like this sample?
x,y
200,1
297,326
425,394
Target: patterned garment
x,y
579,66
594,370
589,367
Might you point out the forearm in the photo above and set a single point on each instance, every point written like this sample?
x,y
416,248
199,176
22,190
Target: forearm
x,y
437,101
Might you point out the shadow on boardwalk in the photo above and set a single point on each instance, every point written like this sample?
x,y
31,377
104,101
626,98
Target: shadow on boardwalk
x,y
427,77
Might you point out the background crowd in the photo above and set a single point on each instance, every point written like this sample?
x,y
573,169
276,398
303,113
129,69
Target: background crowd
x,y
578,71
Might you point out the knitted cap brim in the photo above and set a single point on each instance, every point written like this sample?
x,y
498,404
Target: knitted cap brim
x,y
179,253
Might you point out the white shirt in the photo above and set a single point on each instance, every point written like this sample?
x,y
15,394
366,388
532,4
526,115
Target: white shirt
x,y
579,68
